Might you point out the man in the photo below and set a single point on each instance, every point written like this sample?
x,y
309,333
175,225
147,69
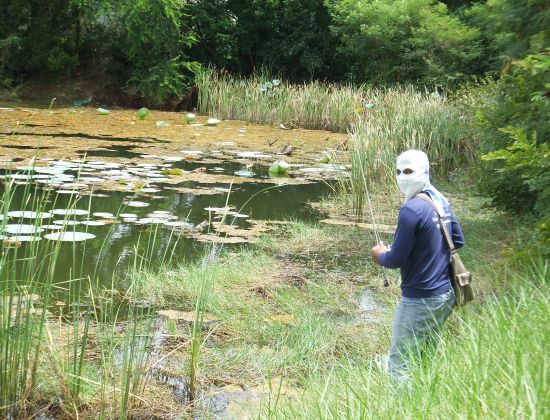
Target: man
x,y
420,251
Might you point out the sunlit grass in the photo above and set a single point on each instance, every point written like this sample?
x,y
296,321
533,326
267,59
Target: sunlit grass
x,y
66,359
490,364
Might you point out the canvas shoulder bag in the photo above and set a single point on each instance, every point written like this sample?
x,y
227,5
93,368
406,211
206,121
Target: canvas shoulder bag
x,y
461,277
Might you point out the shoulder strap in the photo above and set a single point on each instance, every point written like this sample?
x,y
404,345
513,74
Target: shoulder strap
x,y
428,200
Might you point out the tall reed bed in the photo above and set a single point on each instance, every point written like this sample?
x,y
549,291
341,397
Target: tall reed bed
x,y
314,105
398,120
491,364
80,358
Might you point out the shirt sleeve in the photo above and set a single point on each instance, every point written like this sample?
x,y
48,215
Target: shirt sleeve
x,y
457,235
403,241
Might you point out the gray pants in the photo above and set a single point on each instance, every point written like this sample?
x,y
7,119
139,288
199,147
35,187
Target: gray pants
x,y
416,324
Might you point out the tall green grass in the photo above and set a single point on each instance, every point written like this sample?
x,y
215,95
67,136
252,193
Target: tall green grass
x,y
393,117
399,121
80,361
491,363
314,105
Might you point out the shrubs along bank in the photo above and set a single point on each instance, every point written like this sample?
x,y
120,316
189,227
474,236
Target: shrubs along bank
x,y
151,49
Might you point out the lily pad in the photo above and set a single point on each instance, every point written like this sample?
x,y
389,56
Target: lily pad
x,y
52,227
173,171
212,121
103,111
280,167
192,152
245,173
142,113
66,222
70,212
23,238
69,236
189,118
93,223
151,221
104,215
29,215
137,204
16,229
179,224
257,155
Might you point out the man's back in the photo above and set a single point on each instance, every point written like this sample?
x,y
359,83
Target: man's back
x,y
420,251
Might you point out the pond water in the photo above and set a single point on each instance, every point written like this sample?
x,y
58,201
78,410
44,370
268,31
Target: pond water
x,y
119,241
148,194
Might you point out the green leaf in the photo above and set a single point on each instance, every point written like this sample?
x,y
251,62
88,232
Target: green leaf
x,y
142,113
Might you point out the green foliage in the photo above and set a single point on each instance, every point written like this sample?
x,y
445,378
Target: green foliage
x,y
38,37
510,28
140,44
513,127
154,39
531,161
414,41
288,36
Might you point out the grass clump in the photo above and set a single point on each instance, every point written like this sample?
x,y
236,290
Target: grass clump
x,y
491,363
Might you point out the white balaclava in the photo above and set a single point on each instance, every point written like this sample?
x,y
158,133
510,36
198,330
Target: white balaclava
x,y
411,184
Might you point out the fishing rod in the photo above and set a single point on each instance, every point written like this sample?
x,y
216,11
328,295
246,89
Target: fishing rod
x,y
374,226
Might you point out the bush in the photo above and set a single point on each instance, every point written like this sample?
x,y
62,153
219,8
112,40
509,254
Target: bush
x,y
513,129
415,41
154,39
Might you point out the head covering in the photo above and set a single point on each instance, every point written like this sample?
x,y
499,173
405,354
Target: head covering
x,y
419,180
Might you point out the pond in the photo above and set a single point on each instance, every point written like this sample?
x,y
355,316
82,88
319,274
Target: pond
x,y
149,194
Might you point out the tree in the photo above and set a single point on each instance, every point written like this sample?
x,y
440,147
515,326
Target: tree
x,y
510,28
414,41
287,36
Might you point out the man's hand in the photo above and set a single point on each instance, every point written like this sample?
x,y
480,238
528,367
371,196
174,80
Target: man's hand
x,y
377,250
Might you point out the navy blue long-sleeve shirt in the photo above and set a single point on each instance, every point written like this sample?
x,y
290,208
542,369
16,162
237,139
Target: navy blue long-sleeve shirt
x,y
419,249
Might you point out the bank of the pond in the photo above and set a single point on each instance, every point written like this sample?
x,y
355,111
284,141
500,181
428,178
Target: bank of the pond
x,y
491,363
305,310
290,327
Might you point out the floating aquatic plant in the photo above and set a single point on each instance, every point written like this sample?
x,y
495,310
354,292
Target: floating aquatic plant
x,y
93,223
69,236
103,111
23,238
103,215
137,204
19,229
29,215
281,167
142,113
246,173
173,171
51,227
189,118
70,212
212,121
66,222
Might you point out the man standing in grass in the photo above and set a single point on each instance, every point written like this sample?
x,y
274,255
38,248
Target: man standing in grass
x,y
419,249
